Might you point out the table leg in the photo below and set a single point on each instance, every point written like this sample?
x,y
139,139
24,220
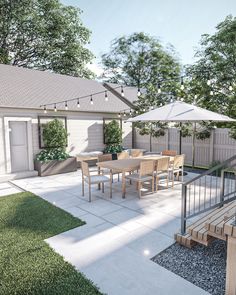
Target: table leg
x,y
123,184
99,172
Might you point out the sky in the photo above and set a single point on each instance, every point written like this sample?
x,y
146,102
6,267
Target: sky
x,y
178,22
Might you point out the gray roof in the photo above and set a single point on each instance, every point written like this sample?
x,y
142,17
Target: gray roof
x,y
130,93
26,88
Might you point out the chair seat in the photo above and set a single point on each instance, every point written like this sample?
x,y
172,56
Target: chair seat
x,y
97,179
136,176
160,173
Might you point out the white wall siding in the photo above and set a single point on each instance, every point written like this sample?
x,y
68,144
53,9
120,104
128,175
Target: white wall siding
x,y
127,135
2,149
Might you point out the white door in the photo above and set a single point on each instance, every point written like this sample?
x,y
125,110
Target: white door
x,y
19,146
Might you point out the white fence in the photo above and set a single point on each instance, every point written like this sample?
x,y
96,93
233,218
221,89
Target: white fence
x,y
219,147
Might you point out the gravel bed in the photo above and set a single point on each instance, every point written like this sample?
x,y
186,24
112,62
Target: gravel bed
x,y
203,266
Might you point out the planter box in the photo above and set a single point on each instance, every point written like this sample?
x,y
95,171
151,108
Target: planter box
x,y
56,167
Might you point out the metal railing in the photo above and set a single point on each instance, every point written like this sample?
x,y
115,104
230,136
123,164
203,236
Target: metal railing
x,y
209,190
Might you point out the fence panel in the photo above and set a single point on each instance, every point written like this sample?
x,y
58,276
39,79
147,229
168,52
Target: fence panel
x,y
219,147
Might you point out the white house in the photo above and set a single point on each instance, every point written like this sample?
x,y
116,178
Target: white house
x,y
23,91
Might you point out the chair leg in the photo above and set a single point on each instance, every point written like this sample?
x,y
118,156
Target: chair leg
x,y
178,176
182,178
118,177
83,187
167,181
103,187
89,192
173,179
130,181
157,182
152,184
139,189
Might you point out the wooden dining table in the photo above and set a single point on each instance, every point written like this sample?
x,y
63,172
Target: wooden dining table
x,y
127,165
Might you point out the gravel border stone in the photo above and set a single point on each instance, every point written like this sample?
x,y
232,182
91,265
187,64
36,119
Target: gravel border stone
x,y
203,266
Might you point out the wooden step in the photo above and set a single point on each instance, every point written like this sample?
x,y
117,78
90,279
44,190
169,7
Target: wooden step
x,y
207,228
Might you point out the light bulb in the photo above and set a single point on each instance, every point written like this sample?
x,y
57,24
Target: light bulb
x,y
119,115
55,108
208,82
130,112
122,91
45,110
182,83
106,96
230,87
159,88
124,114
78,104
66,106
211,92
139,92
91,100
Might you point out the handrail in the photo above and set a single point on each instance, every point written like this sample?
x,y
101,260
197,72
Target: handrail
x,y
217,167
192,195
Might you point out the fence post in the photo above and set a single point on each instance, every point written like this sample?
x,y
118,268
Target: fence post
x,y
211,156
183,209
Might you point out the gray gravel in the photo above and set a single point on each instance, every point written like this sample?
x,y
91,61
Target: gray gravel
x,y
203,266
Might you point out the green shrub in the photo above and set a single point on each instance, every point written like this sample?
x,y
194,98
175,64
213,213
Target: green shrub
x,y
113,137
55,140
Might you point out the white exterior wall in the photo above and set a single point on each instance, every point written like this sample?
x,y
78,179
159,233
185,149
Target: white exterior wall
x,y
85,131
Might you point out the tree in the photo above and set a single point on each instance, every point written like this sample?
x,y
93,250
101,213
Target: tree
x,y
113,137
140,60
213,77
45,35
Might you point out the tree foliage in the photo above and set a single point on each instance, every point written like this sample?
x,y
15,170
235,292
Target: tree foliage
x,y
55,134
213,77
140,60
45,35
113,137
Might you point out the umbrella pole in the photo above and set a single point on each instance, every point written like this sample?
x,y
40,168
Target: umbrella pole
x,y
180,139
193,145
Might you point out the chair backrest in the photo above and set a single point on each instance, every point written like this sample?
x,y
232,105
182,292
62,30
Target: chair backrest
x,y
85,169
171,153
136,153
146,168
122,155
163,164
105,157
179,161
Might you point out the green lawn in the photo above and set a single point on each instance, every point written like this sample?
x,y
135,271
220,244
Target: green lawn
x,y
27,264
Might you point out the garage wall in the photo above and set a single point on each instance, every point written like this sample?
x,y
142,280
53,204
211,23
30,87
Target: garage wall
x,y
85,131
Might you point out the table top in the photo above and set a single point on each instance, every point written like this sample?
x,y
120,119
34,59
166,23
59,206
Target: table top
x,y
129,164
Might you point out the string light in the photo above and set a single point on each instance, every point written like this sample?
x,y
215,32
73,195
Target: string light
x,y
119,115
130,112
211,92
91,99
106,96
55,108
122,91
208,81
182,83
230,87
45,110
159,88
152,107
66,106
78,104
136,112
124,114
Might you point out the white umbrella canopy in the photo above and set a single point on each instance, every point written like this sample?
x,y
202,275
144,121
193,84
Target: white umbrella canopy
x,y
179,111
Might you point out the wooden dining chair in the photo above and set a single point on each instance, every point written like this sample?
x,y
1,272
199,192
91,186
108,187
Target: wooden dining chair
x,y
136,153
146,173
177,167
171,153
162,170
122,155
93,179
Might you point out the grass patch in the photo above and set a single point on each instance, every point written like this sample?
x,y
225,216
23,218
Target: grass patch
x,y
27,264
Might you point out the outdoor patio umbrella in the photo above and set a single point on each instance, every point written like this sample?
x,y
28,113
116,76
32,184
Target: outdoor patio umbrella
x,y
181,112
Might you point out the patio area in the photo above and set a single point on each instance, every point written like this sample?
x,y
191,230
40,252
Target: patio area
x,y
114,248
